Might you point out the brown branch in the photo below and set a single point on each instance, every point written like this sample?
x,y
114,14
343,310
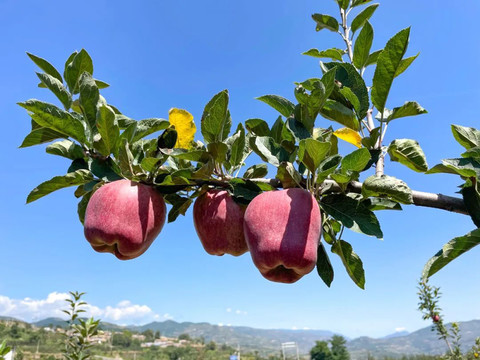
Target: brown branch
x,y
420,198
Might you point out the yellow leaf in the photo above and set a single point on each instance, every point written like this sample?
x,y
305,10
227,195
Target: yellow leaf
x,y
183,122
350,136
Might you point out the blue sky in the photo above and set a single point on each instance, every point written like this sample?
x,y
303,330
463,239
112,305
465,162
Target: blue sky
x,y
162,54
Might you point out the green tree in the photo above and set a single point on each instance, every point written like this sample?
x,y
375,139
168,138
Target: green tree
x,y
184,336
211,346
338,348
123,339
149,335
79,331
321,351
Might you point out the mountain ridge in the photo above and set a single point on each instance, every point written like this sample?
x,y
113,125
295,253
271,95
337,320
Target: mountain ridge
x,y
422,341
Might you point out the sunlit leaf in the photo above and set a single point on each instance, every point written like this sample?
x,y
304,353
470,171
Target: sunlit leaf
x,y
349,136
451,251
183,122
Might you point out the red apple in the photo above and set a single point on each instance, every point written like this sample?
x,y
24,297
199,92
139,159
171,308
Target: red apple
x,y
218,220
436,318
123,218
283,229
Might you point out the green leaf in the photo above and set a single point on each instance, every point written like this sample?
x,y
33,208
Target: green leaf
x,y
258,127
363,17
268,150
297,129
356,161
214,117
325,22
352,213
78,177
82,205
451,251
343,4
409,153
466,136
343,177
362,47
149,164
106,170
351,261
218,151
149,126
125,160
471,198
410,108
50,116
46,66
335,111
288,176
372,58
66,148
376,204
324,266
56,86
312,103
256,171
282,105
312,152
122,120
107,128
327,167
387,186
463,167
180,205
76,65
359,2
168,139
348,76
244,191
472,153
89,96
334,54
101,84
388,63
277,128
237,146
41,135
405,64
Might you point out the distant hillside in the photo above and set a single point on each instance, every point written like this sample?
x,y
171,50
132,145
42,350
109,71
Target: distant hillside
x,y
247,337
57,322
396,334
8,318
423,341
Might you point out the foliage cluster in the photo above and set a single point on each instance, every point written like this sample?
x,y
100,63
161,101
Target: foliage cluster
x,y
105,145
334,349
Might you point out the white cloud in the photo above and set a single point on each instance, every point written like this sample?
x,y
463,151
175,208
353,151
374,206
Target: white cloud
x,y
229,309
36,309
400,329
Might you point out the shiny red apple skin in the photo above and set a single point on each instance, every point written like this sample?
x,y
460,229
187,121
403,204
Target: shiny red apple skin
x,y
283,230
218,220
124,218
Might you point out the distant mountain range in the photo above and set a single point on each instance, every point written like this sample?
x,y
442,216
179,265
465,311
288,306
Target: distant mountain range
x,y
423,341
